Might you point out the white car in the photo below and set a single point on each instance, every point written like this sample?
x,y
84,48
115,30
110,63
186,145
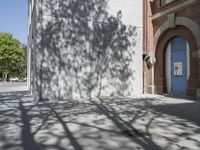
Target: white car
x,y
14,79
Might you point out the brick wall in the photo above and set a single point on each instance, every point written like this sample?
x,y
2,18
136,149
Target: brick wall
x,y
147,37
159,8
192,12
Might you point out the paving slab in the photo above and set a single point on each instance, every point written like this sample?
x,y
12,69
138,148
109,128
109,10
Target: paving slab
x,y
109,123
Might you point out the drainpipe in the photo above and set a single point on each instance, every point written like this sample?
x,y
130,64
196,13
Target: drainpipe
x,y
198,89
146,48
152,69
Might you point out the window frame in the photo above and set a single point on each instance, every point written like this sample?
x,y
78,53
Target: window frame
x,y
164,2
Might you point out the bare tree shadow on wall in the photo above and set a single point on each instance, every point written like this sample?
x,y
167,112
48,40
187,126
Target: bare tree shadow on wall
x,y
82,50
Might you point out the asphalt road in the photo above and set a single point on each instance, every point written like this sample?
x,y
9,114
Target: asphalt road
x,y
12,86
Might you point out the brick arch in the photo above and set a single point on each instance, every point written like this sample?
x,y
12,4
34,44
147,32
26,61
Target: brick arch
x,y
160,52
179,21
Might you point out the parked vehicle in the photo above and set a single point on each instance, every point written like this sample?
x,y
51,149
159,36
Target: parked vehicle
x,y
14,79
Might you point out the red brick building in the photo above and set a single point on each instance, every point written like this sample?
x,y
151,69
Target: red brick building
x,y
172,47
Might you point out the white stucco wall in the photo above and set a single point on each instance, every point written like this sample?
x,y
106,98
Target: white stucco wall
x,y
54,49
132,10
132,14
31,45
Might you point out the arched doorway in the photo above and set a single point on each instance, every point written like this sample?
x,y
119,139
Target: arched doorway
x,y
161,80
177,65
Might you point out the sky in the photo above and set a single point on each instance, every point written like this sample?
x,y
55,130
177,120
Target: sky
x,y
14,18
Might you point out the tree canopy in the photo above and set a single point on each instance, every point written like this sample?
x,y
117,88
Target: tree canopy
x,y
12,56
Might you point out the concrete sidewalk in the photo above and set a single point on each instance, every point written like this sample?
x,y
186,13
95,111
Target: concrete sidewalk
x,y
150,123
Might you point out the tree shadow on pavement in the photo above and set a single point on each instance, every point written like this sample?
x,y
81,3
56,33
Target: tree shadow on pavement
x,y
187,111
103,124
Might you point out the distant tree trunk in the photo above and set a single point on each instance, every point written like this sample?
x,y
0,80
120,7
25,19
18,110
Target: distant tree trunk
x,y
7,78
6,75
1,77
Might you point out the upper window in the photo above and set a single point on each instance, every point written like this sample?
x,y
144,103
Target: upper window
x,y
164,2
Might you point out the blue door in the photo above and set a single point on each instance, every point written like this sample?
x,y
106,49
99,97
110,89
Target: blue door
x,y
178,65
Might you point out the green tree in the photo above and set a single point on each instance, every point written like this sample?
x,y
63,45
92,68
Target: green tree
x,y
12,56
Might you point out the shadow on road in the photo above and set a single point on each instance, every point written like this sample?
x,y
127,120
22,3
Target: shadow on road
x,y
106,123
13,86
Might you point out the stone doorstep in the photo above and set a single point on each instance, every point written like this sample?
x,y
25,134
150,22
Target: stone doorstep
x,y
182,96
175,95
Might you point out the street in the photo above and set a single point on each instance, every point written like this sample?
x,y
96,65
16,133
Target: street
x,y
12,86
110,123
